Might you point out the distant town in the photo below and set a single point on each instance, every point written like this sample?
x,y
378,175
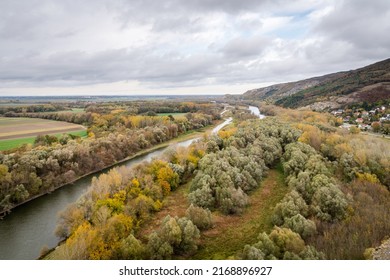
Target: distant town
x,y
376,120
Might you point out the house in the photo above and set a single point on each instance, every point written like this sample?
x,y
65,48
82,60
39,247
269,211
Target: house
x,y
364,127
338,112
359,120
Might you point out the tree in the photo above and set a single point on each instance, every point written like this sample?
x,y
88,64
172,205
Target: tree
x,y
199,216
202,197
131,249
281,243
170,231
329,203
291,205
175,236
158,249
190,236
376,126
300,225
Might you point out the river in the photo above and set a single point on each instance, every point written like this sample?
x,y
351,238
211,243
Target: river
x,y
254,110
31,226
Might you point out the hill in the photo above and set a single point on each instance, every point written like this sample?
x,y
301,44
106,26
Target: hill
x,y
369,84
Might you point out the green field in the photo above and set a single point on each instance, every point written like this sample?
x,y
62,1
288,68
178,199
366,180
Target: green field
x,y
73,110
172,114
15,132
14,143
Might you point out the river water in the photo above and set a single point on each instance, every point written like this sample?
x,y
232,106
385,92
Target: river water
x,y
254,110
31,226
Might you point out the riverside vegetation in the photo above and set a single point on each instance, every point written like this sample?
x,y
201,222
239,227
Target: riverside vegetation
x,y
333,191
114,133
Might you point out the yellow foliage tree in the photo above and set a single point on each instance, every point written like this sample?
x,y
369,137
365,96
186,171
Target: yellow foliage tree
x,y
367,177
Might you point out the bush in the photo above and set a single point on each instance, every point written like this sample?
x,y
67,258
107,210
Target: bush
x,y
329,203
199,216
301,225
175,236
202,197
158,249
281,243
131,249
291,205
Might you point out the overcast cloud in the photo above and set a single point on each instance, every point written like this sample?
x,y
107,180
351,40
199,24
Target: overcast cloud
x,y
175,46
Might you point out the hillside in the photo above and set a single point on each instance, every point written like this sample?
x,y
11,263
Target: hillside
x,y
368,84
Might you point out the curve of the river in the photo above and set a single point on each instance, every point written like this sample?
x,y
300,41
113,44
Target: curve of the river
x,y
255,110
31,226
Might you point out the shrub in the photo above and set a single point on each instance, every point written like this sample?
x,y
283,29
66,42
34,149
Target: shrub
x,y
291,205
199,216
301,225
281,243
329,203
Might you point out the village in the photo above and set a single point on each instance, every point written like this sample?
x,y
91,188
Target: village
x,y
376,120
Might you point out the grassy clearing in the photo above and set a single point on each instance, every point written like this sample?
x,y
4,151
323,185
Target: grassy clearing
x,y
14,143
231,233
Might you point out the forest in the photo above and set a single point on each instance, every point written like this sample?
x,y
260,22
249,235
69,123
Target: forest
x,y
290,186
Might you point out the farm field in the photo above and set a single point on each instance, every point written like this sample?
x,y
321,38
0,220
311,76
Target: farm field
x,y
173,114
73,110
18,131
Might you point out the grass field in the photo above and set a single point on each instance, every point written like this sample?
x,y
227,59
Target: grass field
x,y
173,114
14,143
73,110
15,132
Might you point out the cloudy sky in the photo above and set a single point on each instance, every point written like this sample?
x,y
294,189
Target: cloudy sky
x,y
183,46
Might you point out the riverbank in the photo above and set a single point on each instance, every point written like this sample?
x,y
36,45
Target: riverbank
x,y
183,137
53,252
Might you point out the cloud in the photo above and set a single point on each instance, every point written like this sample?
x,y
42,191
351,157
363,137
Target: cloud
x,y
363,24
182,44
243,48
